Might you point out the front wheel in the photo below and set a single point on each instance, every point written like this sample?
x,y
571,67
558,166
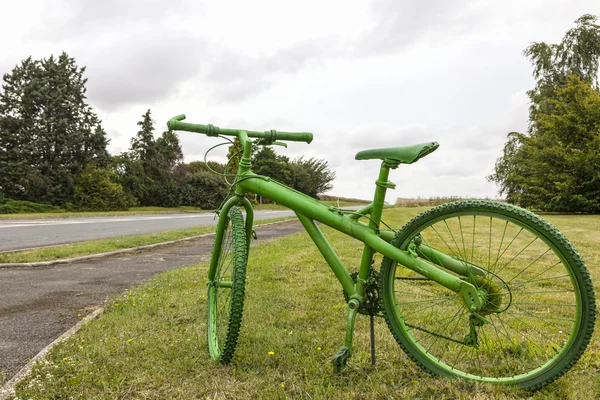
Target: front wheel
x,y
226,289
539,306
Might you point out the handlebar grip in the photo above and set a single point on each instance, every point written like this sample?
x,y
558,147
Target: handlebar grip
x,y
295,136
174,124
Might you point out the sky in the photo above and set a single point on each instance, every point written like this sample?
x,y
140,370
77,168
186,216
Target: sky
x,y
358,74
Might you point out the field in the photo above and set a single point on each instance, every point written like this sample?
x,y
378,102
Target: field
x,y
150,343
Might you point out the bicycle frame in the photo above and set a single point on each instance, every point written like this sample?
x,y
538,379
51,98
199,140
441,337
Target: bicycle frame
x,y
310,210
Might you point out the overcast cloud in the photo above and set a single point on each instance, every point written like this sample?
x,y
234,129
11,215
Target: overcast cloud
x,y
358,74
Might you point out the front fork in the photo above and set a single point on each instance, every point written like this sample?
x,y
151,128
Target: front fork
x,y
222,224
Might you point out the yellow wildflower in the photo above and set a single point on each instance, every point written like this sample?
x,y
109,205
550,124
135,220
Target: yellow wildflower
x,y
283,386
318,349
271,353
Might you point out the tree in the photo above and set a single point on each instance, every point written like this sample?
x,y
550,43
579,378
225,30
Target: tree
x,y
554,165
96,190
234,155
266,162
201,187
312,176
147,170
48,133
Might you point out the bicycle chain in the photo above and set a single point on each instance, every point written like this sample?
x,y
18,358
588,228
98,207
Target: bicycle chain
x,y
372,304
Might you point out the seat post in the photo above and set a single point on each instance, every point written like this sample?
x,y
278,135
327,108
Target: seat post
x,y
382,184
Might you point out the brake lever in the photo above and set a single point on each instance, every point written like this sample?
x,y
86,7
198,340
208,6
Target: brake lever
x,y
263,142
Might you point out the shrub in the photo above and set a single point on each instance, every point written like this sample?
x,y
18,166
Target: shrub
x,y
95,190
10,206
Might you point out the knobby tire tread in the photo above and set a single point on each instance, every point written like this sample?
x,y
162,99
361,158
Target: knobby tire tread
x,y
238,284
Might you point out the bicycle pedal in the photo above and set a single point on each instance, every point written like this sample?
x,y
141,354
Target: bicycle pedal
x,y
340,359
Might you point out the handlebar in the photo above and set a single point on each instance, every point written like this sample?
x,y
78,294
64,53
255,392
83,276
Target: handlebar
x,y
175,124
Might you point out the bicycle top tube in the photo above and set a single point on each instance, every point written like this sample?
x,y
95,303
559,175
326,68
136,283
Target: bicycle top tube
x,y
211,130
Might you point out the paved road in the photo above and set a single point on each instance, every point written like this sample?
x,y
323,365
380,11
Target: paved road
x,y
38,304
18,234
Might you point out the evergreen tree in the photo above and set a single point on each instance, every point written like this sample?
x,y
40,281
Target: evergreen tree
x,y
48,133
553,167
147,170
312,176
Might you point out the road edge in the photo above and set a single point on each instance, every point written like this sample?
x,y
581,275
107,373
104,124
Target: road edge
x,y
117,252
9,388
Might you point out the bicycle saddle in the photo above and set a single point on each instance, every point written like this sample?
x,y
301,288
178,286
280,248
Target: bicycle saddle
x,y
405,155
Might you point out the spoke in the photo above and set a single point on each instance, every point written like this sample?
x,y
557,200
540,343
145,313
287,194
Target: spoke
x,y
532,328
507,247
499,247
498,336
490,245
454,240
446,243
541,273
570,320
540,280
549,291
527,267
416,302
476,350
549,304
510,339
518,254
534,316
456,359
518,332
437,337
462,237
481,333
422,308
473,242
414,294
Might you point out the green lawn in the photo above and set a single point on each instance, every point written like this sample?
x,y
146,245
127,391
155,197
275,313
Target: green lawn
x,y
131,211
151,343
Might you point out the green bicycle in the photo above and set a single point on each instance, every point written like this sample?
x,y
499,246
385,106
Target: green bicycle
x,y
480,290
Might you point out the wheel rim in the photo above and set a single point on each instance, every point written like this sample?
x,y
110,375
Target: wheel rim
x,y
220,295
533,319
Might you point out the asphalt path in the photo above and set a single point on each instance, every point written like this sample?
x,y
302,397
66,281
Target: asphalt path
x,y
39,304
17,234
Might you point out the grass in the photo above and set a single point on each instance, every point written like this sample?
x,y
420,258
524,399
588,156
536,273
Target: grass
x,y
131,211
105,245
151,343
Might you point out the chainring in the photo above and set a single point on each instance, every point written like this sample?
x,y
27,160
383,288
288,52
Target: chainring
x,y
373,304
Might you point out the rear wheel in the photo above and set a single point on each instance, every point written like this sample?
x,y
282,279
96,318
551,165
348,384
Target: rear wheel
x,y
539,307
226,291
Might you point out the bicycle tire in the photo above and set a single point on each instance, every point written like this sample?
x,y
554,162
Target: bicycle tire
x,y
521,342
226,304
